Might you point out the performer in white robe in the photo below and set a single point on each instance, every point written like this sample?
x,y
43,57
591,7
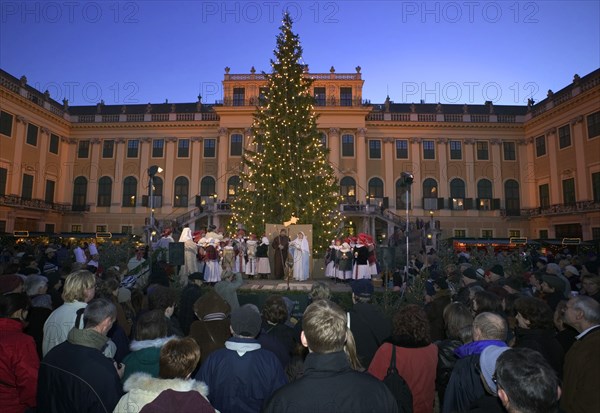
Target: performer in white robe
x,y
301,254
190,263
251,246
330,260
212,269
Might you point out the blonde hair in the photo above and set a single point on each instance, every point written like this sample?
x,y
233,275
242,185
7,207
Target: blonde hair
x,y
76,284
325,327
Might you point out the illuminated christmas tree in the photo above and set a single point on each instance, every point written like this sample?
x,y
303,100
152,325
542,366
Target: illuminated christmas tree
x,y
285,171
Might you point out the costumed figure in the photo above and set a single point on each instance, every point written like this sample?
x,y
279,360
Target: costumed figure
x,y
281,246
163,245
79,255
239,244
344,262
190,248
251,247
361,258
212,233
212,269
301,253
263,267
330,261
228,256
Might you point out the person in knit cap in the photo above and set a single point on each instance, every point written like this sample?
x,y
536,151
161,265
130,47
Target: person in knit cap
x,y
553,289
211,329
494,274
554,269
489,403
11,284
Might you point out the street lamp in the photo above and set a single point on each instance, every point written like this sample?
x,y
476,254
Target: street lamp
x,y
406,180
152,171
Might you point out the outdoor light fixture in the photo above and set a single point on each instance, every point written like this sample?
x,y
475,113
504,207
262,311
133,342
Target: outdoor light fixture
x,y
152,171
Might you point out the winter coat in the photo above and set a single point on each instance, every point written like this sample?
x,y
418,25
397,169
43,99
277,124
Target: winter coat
x,y
581,379
330,385
144,358
370,328
242,376
60,322
446,361
78,365
416,365
545,343
142,388
465,384
19,364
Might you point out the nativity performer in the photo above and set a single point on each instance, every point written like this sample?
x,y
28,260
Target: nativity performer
x,y
361,258
281,245
301,254
190,255
263,266
344,262
251,247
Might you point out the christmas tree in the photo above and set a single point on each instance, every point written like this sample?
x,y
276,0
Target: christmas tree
x,y
285,170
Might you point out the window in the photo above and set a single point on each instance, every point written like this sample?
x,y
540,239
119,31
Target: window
x,y
210,148
483,153
540,146
104,191
568,231
595,233
133,147
455,150
320,96
27,186
345,96
233,186
348,145
564,136
83,149
6,123
595,186
428,150
544,193
374,149
487,233
512,198
460,233
510,151
516,233
457,193
235,148
262,95
49,194
348,190
32,134
375,188
49,228
3,178
323,139
593,125
484,194
239,96
108,148
53,148
181,192
76,228
126,229
101,228
402,191
568,186
401,149
430,194
2,226
158,146
543,233
183,148
79,193
207,186
129,192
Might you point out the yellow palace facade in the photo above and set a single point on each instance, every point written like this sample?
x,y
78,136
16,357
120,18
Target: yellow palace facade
x,y
480,170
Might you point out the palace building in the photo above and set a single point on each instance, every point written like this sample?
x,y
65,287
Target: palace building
x,y
482,171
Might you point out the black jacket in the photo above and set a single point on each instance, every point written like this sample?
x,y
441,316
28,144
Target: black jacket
x,y
370,328
446,361
330,385
75,378
544,342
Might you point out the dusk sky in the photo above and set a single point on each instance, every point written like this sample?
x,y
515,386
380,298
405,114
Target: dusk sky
x,y
451,52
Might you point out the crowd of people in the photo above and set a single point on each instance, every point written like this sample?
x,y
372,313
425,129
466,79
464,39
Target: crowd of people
x,y
144,337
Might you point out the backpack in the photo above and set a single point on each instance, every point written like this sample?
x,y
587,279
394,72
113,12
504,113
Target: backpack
x,y
398,386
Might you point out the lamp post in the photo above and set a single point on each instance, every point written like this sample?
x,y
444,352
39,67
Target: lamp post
x,y
407,180
152,171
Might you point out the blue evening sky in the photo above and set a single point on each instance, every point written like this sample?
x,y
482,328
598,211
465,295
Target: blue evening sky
x,y
444,51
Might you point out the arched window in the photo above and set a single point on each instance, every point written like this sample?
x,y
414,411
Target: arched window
x,y
430,188
401,192
457,193
512,198
484,194
181,192
80,193
104,191
233,185
375,188
129,192
158,186
348,190
207,186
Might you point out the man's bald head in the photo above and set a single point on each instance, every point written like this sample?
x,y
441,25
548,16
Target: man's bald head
x,y
489,326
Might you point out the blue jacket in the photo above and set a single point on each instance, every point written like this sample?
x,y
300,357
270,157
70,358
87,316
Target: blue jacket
x,y
242,376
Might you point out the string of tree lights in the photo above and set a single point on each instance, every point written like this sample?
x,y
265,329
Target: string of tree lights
x,y
285,171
